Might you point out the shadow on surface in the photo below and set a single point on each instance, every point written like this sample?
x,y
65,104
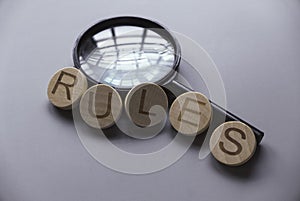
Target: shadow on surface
x,y
113,133
64,115
245,171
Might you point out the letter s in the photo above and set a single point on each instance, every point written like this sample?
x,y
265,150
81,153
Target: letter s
x,y
229,138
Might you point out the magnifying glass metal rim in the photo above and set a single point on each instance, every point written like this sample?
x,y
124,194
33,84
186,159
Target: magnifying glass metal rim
x,y
128,21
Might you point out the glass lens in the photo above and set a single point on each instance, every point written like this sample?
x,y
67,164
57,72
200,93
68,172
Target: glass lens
x,y
125,56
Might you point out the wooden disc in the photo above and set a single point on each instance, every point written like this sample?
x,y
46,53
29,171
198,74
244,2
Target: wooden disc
x,y
233,143
146,104
190,113
100,106
66,87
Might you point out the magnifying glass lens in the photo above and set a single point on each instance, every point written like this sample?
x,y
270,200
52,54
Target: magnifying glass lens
x,y
125,56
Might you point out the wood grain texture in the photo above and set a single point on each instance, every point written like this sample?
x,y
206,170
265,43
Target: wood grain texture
x,y
190,113
66,87
146,104
100,106
233,143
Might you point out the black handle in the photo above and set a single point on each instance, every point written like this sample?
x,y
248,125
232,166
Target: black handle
x,y
231,117
174,89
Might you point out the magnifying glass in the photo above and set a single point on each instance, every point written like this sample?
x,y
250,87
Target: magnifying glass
x,y
126,51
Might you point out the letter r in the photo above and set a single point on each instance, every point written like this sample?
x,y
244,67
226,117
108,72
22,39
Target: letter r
x,y
66,85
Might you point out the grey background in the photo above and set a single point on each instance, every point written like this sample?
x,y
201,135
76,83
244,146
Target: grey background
x,y
256,46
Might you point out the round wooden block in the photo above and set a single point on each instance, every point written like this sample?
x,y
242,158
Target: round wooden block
x,y
146,104
66,87
100,106
190,113
233,143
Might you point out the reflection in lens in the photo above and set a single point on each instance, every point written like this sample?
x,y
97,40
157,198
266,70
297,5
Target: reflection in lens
x,y
126,56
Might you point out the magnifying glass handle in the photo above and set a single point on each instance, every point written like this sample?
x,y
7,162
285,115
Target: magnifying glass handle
x,y
174,89
231,117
